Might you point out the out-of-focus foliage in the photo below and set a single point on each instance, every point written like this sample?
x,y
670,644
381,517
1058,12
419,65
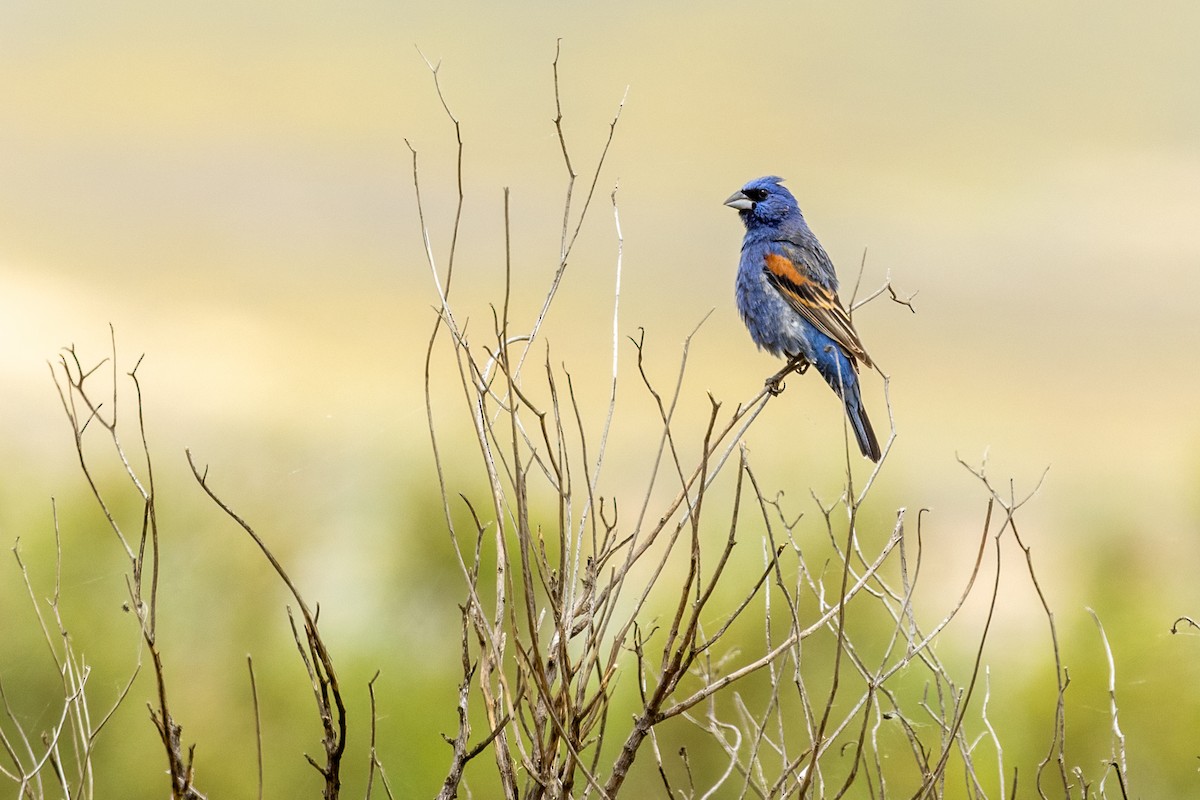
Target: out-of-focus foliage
x,y
228,185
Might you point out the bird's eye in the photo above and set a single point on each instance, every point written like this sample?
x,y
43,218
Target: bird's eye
x,y
757,195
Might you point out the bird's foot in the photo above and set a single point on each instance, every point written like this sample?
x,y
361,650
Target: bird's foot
x,y
775,384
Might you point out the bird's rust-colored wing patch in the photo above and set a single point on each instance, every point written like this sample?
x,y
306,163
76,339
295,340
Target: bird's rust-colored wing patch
x,y
817,304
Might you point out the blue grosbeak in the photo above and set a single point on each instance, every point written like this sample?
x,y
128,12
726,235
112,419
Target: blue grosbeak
x,y
787,296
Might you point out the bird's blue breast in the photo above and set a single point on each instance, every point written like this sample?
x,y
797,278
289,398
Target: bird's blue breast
x,y
773,324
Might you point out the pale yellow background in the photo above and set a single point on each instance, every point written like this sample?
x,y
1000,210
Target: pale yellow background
x,y
228,185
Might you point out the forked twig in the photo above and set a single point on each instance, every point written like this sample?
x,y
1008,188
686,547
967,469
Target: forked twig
x,y
326,691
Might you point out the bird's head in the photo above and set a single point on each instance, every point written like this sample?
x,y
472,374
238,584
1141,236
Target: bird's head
x,y
764,201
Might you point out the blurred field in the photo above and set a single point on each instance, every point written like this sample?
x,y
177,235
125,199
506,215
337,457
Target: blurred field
x,y
229,187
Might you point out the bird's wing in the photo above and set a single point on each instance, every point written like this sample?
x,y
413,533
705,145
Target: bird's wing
x,y
817,304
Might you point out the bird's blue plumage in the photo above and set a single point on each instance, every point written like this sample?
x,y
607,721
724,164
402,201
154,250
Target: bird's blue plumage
x,y
787,296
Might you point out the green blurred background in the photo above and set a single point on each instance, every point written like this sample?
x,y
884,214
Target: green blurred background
x,y
228,185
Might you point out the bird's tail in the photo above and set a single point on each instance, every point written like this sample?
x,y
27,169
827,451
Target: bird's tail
x,y
863,431
840,374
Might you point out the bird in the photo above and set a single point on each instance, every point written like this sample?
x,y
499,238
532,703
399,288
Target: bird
x,y
786,293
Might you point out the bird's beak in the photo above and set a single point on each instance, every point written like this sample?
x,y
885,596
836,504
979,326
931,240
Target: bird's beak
x,y
739,201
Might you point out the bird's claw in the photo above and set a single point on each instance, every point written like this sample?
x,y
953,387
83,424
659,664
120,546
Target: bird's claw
x,y
775,384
